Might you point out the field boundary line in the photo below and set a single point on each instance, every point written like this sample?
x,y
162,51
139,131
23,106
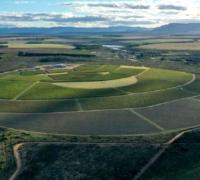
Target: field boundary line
x,y
147,120
188,91
196,99
191,81
169,102
161,152
120,90
109,109
145,70
25,90
79,105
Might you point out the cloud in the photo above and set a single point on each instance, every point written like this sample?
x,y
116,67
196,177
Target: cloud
x,y
23,2
48,17
137,6
106,5
172,7
101,13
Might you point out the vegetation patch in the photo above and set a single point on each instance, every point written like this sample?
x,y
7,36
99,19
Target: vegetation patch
x,y
10,88
180,161
86,73
102,161
158,79
47,91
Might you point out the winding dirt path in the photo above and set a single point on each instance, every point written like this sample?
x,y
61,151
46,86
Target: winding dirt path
x,y
18,160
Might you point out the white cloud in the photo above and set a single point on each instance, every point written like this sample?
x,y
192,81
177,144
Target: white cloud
x,y
88,13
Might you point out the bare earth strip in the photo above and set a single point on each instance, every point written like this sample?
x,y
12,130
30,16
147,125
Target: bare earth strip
x,y
100,84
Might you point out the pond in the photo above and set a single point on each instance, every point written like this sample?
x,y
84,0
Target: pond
x,y
113,47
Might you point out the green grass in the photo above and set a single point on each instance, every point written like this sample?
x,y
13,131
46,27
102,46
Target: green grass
x,y
38,106
26,76
156,79
10,88
93,73
133,101
49,91
115,102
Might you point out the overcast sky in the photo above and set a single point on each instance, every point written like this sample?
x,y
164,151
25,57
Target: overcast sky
x,y
97,13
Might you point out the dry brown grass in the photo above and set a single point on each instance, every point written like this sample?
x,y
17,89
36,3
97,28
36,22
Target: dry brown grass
x,y
195,46
100,84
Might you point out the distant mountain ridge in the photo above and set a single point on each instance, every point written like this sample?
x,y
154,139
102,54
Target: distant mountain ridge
x,y
178,28
71,30
169,29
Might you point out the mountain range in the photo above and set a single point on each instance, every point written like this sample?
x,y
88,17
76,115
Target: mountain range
x,y
169,29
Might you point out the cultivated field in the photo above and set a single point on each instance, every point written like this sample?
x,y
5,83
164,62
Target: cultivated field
x,y
184,46
91,81
81,123
120,101
120,107
20,44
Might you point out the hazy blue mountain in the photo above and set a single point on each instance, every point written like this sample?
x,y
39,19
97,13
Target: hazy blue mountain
x,y
170,29
70,30
178,28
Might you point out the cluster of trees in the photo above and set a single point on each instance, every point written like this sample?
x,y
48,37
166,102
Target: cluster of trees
x,y
33,54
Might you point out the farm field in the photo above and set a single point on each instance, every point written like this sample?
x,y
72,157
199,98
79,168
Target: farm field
x,y
80,82
159,118
81,123
180,114
155,41
98,97
43,106
20,44
10,89
187,46
99,90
